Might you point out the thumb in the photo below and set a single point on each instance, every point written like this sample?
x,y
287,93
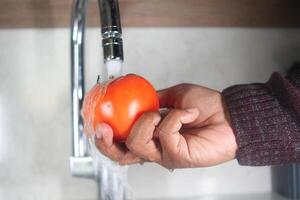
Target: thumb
x,y
164,98
168,130
167,97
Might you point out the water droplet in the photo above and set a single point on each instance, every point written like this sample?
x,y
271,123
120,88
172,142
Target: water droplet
x,y
171,170
142,162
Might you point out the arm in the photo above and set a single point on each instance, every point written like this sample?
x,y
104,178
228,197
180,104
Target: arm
x,y
257,123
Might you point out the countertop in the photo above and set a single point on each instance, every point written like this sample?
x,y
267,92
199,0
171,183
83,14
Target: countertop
x,y
265,196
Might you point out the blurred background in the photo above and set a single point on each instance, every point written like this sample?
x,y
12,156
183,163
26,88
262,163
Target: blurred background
x,y
35,105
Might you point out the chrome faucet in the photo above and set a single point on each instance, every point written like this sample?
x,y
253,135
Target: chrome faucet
x,y
111,30
81,163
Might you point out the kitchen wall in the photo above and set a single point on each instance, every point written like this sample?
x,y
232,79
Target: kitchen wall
x,y
35,104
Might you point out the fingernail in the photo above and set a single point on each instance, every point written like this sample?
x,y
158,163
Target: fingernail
x,y
192,110
103,130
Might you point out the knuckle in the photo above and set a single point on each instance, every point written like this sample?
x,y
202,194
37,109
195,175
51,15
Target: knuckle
x,y
149,117
175,112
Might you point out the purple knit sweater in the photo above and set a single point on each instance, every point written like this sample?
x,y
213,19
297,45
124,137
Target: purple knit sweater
x,y
266,120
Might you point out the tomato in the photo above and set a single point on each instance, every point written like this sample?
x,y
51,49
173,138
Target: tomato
x,y
119,103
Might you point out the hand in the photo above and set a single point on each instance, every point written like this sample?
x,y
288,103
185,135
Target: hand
x,y
194,131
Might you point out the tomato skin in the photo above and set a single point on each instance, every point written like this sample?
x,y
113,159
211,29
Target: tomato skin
x,y
124,100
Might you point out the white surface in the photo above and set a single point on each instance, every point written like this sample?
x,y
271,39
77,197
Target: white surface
x,y
257,196
35,104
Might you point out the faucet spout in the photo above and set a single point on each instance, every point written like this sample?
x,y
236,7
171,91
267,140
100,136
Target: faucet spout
x,y
111,30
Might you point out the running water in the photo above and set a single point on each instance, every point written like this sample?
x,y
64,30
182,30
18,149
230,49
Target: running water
x,y
114,68
111,177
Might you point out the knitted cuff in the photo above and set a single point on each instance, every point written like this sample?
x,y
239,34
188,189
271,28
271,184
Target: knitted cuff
x,y
263,129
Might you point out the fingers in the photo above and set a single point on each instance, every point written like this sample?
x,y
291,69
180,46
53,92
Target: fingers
x,y
114,150
141,142
105,132
168,130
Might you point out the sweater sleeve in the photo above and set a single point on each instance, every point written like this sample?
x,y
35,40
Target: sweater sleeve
x,y
266,120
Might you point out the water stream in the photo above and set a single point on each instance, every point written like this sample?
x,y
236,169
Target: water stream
x,y
110,176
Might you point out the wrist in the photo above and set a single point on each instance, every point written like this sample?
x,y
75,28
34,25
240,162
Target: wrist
x,y
229,129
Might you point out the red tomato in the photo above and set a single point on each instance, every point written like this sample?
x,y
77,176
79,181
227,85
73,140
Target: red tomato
x,y
120,103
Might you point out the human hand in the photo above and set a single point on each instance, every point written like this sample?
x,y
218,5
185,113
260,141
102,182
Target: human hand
x,y
194,131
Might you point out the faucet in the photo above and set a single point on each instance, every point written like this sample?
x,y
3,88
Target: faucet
x,y
81,163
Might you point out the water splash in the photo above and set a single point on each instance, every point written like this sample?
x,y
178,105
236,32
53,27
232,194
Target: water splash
x,y
112,177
